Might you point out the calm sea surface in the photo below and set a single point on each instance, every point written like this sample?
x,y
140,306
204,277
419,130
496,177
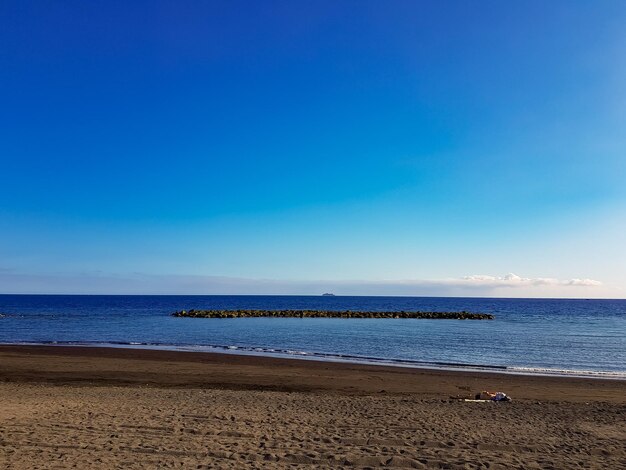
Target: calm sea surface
x,y
580,337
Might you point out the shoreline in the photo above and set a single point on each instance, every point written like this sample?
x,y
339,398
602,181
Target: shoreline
x,y
164,368
341,359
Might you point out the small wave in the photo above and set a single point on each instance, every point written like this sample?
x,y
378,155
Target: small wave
x,y
10,315
296,353
568,372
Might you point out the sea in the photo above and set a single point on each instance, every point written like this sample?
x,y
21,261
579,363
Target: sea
x,y
568,337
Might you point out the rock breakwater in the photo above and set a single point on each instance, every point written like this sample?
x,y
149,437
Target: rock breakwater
x,y
330,314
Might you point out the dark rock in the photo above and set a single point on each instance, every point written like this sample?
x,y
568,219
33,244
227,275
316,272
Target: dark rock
x,y
331,314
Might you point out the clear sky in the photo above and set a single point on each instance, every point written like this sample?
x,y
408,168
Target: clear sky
x,y
357,147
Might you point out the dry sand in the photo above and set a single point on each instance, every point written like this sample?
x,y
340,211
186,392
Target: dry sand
x,y
116,408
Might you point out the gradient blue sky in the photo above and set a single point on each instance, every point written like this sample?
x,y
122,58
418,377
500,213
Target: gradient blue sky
x,y
301,146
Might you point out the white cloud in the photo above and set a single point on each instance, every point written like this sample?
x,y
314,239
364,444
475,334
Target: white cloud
x,y
583,282
510,285
513,280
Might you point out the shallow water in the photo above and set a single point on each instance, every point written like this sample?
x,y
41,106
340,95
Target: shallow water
x,y
580,337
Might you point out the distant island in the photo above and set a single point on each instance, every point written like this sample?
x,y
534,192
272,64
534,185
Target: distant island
x,y
328,294
329,314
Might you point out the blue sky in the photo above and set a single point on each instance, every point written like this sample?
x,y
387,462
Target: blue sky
x,y
410,148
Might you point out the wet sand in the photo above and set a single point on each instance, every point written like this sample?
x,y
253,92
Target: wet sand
x,y
66,407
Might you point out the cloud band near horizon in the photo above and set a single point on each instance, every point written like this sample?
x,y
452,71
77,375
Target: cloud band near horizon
x,y
510,285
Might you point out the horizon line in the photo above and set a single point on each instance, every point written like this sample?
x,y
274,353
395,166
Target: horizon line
x,y
308,295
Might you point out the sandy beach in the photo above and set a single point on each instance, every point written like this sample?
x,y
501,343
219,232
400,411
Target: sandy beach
x,y
69,407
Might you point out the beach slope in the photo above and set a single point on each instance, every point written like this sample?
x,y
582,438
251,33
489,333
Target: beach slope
x,y
68,407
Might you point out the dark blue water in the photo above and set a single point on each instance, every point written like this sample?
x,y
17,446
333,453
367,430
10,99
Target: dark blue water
x,y
583,337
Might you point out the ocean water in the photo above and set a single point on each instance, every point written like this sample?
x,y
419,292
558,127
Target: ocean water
x,y
537,336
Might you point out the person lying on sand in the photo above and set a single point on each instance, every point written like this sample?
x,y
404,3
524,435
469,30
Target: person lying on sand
x,y
483,396
494,396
